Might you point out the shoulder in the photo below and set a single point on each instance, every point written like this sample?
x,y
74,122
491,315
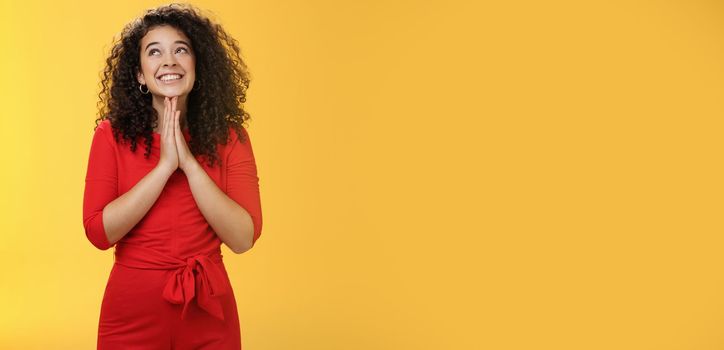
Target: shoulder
x,y
236,137
105,129
104,124
239,144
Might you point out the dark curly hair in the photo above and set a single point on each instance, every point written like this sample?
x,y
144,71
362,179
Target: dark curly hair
x,y
213,107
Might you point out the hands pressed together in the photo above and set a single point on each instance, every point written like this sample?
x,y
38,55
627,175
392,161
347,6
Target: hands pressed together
x,y
175,153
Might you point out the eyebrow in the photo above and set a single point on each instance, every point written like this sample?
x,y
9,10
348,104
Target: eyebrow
x,y
175,42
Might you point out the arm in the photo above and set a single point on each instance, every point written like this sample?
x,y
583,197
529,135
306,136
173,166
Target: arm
x,y
106,216
123,213
235,216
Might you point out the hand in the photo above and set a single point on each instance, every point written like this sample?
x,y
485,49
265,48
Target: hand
x,y
185,157
169,154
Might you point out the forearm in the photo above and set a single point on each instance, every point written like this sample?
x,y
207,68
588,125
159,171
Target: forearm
x,y
231,222
123,213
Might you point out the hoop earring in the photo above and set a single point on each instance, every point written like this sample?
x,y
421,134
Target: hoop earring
x,y
140,88
196,87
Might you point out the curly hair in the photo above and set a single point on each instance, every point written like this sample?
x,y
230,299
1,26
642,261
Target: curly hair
x,y
213,107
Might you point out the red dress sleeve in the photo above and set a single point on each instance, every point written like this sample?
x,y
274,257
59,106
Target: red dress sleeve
x,y
101,185
242,183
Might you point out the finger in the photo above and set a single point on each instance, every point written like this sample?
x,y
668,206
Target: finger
x,y
173,125
169,120
170,115
178,128
166,108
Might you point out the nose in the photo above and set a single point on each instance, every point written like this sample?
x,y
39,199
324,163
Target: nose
x,y
170,60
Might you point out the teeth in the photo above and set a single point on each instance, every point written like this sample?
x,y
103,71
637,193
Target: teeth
x,y
168,77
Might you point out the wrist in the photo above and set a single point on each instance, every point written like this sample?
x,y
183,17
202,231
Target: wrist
x,y
191,165
164,169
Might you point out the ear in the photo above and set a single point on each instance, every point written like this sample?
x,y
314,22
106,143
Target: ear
x,y
141,78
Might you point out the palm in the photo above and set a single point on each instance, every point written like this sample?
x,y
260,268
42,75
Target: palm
x,y
169,153
182,149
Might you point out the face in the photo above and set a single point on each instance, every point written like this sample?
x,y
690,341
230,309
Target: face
x,y
166,51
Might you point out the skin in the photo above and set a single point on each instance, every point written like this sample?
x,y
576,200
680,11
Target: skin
x,y
231,222
165,49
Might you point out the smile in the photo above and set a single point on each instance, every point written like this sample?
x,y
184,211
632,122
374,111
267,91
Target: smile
x,y
170,78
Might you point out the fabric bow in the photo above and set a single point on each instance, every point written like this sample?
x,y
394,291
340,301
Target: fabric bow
x,y
200,278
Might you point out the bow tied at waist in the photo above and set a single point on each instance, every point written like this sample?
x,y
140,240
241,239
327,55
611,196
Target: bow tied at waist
x,y
198,276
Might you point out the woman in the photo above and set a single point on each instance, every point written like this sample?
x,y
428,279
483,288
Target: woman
x,y
176,82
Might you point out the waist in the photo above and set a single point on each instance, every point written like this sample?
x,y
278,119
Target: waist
x,y
201,276
137,256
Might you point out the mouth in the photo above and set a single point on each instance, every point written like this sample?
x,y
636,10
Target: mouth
x,y
168,79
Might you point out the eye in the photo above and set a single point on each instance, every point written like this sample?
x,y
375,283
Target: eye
x,y
152,51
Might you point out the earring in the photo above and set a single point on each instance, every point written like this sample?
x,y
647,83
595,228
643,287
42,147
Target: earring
x,y
196,87
140,88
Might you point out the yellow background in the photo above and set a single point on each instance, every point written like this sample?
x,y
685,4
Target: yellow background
x,y
434,174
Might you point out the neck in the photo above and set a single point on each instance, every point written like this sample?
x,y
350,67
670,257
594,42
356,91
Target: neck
x,y
181,105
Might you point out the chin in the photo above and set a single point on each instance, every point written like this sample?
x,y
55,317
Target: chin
x,y
172,93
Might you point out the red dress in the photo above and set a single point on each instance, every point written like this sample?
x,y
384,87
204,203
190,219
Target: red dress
x,y
168,288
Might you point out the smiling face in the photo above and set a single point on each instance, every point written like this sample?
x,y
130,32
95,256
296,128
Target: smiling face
x,y
167,62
